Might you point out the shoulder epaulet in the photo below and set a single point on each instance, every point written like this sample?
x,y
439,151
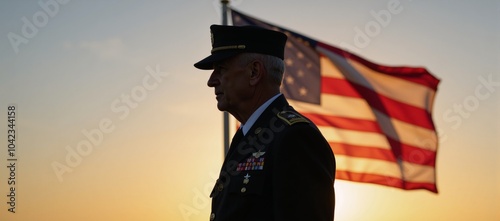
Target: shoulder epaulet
x,y
291,117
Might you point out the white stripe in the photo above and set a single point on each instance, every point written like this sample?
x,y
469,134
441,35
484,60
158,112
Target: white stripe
x,y
335,105
354,137
418,173
370,166
413,172
396,88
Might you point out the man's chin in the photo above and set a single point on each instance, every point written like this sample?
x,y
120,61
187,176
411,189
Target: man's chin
x,y
221,107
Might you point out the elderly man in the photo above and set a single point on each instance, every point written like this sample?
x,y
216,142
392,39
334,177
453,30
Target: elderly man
x,y
279,166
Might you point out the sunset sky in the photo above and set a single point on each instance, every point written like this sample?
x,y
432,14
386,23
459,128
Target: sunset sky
x,y
113,122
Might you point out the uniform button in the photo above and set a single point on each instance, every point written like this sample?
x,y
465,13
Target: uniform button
x,y
212,216
243,189
220,187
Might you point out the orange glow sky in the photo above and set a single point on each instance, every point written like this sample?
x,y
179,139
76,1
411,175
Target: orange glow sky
x,y
113,82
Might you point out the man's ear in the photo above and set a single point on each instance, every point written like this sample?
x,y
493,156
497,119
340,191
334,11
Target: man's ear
x,y
258,72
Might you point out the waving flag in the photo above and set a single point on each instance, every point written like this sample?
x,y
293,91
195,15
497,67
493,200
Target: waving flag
x,y
376,118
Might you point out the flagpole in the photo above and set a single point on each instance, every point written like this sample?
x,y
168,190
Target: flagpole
x,y
224,11
225,114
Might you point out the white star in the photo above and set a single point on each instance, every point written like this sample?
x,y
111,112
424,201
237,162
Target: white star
x,y
303,91
300,73
289,62
300,55
289,80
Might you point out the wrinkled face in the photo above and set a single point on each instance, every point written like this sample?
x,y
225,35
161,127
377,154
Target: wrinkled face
x,y
230,79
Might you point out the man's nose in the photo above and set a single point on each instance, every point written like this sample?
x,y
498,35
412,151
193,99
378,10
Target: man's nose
x,y
212,80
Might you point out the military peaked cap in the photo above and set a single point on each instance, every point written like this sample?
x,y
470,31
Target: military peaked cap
x,y
228,41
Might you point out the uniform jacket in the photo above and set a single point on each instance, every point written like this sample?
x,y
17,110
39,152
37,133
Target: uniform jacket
x,y
283,169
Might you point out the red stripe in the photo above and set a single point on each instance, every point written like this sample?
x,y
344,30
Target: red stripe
x,y
388,106
362,151
406,152
343,122
413,74
413,154
384,180
338,86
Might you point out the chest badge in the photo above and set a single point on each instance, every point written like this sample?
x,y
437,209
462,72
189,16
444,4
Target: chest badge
x,y
258,154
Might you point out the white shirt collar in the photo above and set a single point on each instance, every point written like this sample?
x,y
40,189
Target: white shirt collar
x,y
256,114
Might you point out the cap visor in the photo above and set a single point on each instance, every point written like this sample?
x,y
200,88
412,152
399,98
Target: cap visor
x,y
208,62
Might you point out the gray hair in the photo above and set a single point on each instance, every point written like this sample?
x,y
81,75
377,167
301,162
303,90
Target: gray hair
x,y
273,65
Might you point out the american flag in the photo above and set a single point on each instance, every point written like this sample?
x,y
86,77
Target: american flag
x,y
377,119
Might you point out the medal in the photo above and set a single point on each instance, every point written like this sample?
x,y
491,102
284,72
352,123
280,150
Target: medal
x,y
247,179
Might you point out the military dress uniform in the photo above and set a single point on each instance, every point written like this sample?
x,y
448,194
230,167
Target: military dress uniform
x,y
282,169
